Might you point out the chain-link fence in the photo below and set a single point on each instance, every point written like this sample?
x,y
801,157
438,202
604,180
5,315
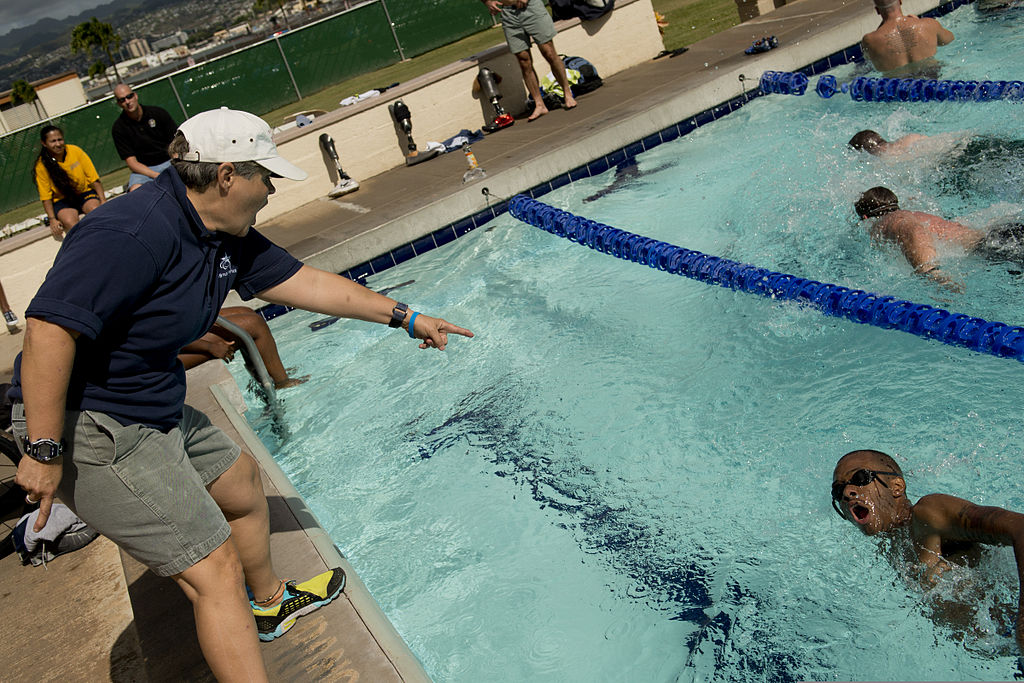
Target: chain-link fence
x,y
258,78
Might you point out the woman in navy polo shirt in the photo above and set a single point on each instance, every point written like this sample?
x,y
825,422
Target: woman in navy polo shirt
x,y
67,181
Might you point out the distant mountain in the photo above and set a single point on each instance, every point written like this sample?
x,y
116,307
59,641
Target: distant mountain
x,y
43,49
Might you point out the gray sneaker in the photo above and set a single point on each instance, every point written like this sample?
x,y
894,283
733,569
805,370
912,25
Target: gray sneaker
x,y
11,320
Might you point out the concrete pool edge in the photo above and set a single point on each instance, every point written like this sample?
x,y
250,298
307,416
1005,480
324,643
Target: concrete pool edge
x,y
380,627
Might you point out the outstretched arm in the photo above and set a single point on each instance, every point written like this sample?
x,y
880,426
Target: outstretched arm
x,y
317,290
938,517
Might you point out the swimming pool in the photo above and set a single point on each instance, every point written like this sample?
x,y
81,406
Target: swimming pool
x,y
625,475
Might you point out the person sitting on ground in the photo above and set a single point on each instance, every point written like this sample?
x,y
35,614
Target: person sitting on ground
x,y
869,491
141,135
904,45
220,342
523,20
67,181
916,233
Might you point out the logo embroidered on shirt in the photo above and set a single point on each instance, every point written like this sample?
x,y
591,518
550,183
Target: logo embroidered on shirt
x,y
226,267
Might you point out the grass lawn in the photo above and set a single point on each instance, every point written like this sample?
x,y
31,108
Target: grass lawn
x,y
689,21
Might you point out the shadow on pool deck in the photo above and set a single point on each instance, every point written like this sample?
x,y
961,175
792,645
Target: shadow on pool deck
x,y
76,621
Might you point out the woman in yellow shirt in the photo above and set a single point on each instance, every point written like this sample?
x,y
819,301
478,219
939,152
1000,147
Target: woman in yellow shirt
x,y
67,181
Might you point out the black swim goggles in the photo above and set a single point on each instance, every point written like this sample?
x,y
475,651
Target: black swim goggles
x,y
859,478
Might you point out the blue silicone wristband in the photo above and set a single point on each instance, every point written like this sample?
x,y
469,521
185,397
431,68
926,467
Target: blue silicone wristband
x,y
412,323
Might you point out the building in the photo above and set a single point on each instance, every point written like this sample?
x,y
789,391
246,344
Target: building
x,y
173,40
54,95
138,47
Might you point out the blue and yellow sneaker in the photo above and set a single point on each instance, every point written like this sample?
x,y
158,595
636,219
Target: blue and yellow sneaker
x,y
297,600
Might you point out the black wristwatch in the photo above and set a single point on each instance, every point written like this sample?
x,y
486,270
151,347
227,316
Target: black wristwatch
x,y
398,314
44,450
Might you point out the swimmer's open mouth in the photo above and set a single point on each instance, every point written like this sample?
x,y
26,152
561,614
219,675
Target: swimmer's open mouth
x,y
860,513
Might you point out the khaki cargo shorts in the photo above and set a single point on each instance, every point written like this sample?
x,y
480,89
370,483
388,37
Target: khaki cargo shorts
x,y
520,25
143,489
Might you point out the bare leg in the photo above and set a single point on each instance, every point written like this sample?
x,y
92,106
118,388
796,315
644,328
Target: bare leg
x,y
532,84
4,304
558,69
224,619
253,323
68,219
90,205
239,494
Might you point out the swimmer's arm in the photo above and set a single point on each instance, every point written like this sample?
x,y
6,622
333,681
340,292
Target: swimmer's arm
x,y
942,36
317,290
994,526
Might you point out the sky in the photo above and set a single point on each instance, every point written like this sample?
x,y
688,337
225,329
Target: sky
x,y
18,13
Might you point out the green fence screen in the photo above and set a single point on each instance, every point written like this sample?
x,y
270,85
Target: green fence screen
x,y
257,78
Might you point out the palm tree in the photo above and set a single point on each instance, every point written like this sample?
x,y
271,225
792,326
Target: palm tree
x,y
96,34
22,92
262,5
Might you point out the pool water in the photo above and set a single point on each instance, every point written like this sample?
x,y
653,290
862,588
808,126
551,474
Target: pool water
x,y
625,475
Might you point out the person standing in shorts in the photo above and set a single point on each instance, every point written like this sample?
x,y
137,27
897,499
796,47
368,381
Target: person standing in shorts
x,y
98,394
523,21
141,135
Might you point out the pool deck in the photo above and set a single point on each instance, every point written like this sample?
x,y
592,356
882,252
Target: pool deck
x,y
96,615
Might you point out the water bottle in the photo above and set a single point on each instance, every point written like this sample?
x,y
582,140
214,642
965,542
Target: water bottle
x,y
474,172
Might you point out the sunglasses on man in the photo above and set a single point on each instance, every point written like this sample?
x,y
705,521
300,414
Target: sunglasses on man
x,y
122,100
859,478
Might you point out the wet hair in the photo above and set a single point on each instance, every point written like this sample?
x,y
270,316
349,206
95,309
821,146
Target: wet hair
x,y
886,4
885,460
876,202
867,141
200,175
58,176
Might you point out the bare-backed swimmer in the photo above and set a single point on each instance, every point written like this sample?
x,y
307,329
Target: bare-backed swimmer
x,y
917,234
903,44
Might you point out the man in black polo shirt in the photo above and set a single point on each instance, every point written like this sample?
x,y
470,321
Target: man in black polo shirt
x,y
99,393
141,135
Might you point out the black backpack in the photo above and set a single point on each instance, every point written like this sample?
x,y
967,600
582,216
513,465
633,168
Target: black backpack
x,y
568,9
589,79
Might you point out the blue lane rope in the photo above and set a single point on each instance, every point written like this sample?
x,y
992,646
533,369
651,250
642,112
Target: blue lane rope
x,y
864,89
957,329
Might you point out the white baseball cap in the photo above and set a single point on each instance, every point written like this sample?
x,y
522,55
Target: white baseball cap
x,y
226,134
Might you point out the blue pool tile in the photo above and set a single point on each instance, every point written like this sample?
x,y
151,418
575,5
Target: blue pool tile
x,y
479,218
423,244
651,141
382,263
687,126
559,181
579,173
616,157
670,133
271,311
539,191
703,118
462,227
360,273
444,235
598,166
634,149
403,253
